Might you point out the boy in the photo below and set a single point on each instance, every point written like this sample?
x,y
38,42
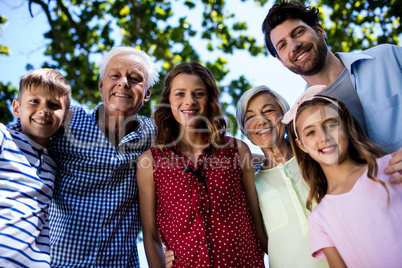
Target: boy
x,y
27,172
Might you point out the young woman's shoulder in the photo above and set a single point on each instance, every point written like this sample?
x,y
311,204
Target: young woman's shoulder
x,y
234,142
145,155
242,147
230,139
144,167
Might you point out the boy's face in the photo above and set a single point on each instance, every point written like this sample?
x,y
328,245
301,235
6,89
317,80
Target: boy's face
x,y
41,113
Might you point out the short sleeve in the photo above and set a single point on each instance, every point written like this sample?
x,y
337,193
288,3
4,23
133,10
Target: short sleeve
x,y
3,137
319,238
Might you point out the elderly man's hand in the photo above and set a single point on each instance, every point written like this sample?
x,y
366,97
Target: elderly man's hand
x,y
395,167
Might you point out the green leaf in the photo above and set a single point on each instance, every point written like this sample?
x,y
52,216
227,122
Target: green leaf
x,y
81,31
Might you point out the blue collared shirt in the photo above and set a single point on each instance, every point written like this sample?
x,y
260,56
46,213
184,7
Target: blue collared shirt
x,y
94,217
376,74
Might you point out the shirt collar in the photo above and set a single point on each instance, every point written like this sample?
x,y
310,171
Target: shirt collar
x,y
349,58
137,126
17,127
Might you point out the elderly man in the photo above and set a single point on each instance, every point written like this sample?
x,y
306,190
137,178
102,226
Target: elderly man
x,y
368,82
94,213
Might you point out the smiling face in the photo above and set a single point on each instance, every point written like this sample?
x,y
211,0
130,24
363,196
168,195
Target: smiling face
x,y
322,135
188,99
263,121
41,113
124,88
301,48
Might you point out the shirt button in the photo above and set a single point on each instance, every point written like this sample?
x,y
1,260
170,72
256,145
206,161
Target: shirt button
x,y
280,165
200,214
104,228
203,241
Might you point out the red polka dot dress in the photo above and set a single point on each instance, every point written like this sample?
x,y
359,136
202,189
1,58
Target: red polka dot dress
x,y
202,214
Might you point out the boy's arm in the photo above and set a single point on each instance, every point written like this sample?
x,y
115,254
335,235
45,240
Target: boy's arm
x,y
251,193
333,257
395,167
147,199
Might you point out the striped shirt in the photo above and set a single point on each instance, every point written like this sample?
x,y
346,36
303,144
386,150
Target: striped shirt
x,y
94,215
26,186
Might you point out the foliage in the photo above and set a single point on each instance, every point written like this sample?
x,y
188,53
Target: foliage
x,y
3,49
357,25
82,30
7,92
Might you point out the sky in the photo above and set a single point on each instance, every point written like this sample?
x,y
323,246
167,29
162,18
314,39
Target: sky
x,y
24,37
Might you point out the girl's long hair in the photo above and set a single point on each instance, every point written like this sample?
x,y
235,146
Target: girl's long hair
x,y
168,128
361,150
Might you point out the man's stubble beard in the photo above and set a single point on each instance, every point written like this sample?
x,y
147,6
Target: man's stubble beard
x,y
317,64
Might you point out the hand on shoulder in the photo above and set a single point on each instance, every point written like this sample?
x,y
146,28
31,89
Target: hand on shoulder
x,y
395,167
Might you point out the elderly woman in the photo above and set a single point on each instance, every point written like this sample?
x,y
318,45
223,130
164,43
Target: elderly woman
x,y
282,193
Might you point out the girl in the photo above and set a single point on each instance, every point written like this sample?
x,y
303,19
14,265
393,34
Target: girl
x,y
196,185
355,223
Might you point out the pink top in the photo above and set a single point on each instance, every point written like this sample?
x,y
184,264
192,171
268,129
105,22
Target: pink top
x,y
359,224
225,238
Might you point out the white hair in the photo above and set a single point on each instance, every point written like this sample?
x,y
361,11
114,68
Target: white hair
x,y
246,98
152,73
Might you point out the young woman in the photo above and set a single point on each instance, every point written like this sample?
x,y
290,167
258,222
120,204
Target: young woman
x,y
196,185
356,221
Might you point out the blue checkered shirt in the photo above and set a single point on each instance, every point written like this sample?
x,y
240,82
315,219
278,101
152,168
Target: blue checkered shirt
x,y
94,216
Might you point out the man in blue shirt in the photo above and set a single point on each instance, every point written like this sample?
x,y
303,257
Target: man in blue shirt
x,y
368,82
94,216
